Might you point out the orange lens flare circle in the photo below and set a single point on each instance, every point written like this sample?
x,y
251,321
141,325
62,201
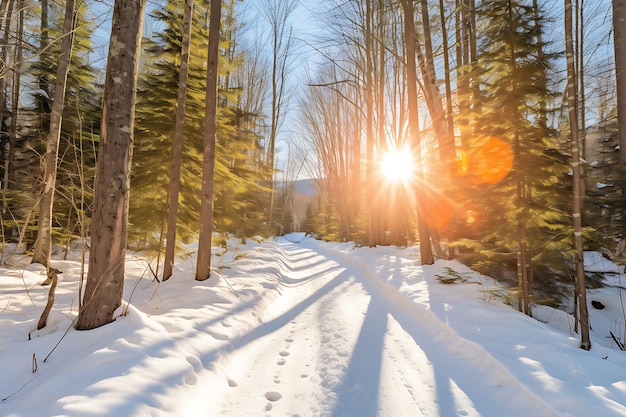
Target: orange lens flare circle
x,y
490,161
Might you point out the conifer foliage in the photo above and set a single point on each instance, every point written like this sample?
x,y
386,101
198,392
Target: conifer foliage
x,y
490,181
521,219
237,207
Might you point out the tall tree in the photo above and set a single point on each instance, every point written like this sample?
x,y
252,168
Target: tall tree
x,y
446,66
277,13
619,42
6,10
203,267
515,164
334,124
105,280
430,86
426,253
572,97
43,245
177,145
240,204
18,54
373,231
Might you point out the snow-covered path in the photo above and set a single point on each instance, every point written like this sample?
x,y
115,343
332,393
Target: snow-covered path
x,y
337,342
309,329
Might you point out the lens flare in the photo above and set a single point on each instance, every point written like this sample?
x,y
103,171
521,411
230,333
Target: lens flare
x,y
490,162
397,165
470,216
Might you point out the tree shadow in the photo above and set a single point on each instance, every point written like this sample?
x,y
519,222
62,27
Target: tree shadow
x,y
358,392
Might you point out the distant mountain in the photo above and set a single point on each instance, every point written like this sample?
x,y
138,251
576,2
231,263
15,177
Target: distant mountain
x,y
301,196
306,187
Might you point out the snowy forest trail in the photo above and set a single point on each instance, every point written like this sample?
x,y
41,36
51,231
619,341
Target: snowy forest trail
x,y
339,342
301,328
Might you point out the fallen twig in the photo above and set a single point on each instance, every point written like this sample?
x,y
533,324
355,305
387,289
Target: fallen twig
x,y
620,345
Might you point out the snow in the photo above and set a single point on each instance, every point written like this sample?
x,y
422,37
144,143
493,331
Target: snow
x,y
299,327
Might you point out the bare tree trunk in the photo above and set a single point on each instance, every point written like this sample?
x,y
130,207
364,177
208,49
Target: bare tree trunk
x,y
52,279
6,12
43,245
462,71
446,67
445,137
619,33
105,279
5,24
580,48
381,142
426,253
278,12
177,146
17,72
583,315
203,267
370,179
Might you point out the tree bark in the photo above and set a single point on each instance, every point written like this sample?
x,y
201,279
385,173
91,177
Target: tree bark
x,y
370,177
6,12
177,145
203,267
619,33
53,280
426,253
446,67
105,279
43,245
17,71
583,315
277,14
445,136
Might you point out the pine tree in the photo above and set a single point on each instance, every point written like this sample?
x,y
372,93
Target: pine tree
x,y
520,216
238,169
80,128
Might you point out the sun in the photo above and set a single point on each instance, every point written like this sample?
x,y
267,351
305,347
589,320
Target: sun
x,y
397,165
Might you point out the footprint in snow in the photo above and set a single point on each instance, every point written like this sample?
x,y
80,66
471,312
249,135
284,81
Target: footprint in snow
x,y
273,396
284,353
190,379
218,336
195,363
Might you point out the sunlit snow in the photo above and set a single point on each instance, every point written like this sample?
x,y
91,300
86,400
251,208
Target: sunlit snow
x,y
308,329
